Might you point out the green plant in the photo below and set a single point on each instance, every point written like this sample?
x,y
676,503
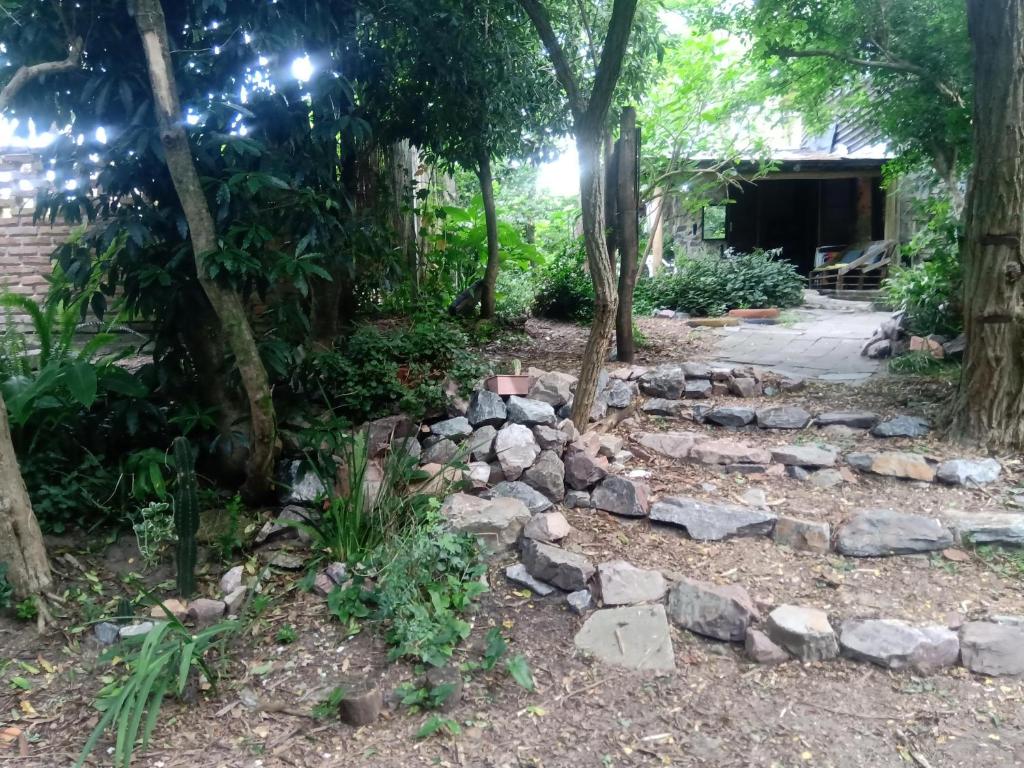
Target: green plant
x,y
186,515
564,289
286,635
516,292
166,658
229,541
921,363
27,609
154,530
436,724
329,706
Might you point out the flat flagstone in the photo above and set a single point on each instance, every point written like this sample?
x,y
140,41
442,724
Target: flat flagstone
x,y
712,522
884,532
634,637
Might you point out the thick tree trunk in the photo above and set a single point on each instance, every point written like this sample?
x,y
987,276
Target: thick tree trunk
x,y
21,541
629,235
611,200
990,407
325,309
149,18
487,300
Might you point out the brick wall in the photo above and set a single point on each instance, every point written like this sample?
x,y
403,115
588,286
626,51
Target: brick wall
x,y
25,248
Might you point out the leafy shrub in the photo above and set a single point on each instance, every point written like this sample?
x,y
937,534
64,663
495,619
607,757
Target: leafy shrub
x,y
930,291
154,531
515,294
711,286
378,371
564,290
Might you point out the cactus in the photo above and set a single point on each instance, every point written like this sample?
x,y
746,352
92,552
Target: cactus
x,y
186,514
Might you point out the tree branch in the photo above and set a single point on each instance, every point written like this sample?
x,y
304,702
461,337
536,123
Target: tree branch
x,y
612,54
27,73
542,21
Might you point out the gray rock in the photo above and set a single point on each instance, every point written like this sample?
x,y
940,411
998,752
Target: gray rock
x,y
443,451
783,417
853,419
496,523
522,410
826,478
712,522
566,570
139,629
897,645
583,471
728,452
578,500
454,429
580,601
286,561
802,535
1003,528
410,445
714,610
620,394
302,485
547,526
730,417
554,388
755,497
610,445
804,632
481,443
965,471
697,370
658,406
231,580
883,532
902,426
106,632
479,474
233,601
666,381
760,648
518,574
486,409
792,383
534,500
382,433
634,637
675,445
992,649
204,612
748,469
337,572
697,389
550,439
907,466
880,349
622,583
806,455
621,497
547,475
516,450
745,386
599,409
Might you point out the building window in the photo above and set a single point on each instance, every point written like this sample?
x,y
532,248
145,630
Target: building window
x,y
713,222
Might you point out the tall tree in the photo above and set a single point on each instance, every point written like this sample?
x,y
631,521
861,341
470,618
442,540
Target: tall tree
x,y
990,407
589,110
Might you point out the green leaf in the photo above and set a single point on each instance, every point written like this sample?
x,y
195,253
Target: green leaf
x,y
437,723
519,669
21,682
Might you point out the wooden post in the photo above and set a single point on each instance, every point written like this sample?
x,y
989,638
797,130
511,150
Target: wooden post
x,y
628,232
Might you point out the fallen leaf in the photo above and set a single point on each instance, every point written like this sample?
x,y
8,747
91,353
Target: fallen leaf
x,y
956,555
9,734
28,709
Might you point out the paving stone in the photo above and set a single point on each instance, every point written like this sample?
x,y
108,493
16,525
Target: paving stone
x,y
554,388
714,610
966,471
550,438
454,429
675,445
547,526
517,450
231,580
496,523
992,649
106,632
443,451
580,601
697,389
583,471
902,426
1002,528
486,409
852,419
634,637
697,370
547,475
518,574
728,452
884,532
806,455
481,443
522,410
621,496
744,386
895,644
658,406
802,535
665,381
566,570
907,466
728,416
712,522
804,632
620,394
622,583
783,417
534,500
760,648
826,478
578,500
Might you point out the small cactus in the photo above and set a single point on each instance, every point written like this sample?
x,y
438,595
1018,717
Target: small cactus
x,y
186,514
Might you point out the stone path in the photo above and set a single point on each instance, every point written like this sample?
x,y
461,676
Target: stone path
x,y
824,342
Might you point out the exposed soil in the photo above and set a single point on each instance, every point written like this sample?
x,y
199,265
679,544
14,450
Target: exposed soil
x,y
716,709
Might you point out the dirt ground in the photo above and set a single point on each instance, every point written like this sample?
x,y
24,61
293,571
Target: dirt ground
x,y
715,709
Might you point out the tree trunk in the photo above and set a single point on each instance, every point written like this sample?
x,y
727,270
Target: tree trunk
x,y
656,239
487,300
325,308
149,18
21,541
611,200
990,409
629,236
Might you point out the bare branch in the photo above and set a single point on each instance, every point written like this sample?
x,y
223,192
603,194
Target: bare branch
x,y
612,54
29,72
542,21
